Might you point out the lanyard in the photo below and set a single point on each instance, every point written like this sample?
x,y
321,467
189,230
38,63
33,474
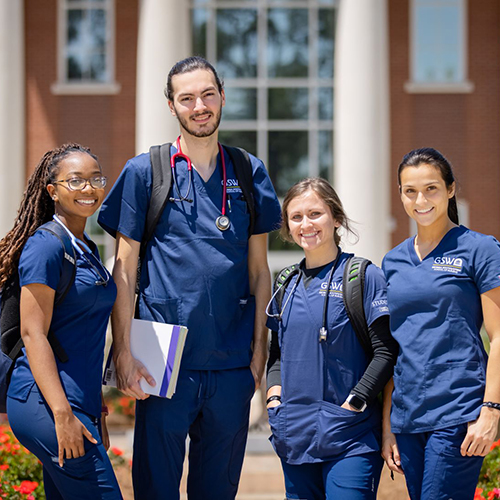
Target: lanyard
x,y
77,243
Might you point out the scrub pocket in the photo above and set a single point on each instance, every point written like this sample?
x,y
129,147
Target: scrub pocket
x,y
277,424
245,322
341,431
240,220
447,383
161,310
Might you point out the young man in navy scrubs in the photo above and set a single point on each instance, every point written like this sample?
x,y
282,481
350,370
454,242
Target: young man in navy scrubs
x,y
202,274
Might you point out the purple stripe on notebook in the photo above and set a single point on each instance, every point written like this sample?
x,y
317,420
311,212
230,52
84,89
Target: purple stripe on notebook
x,y
170,360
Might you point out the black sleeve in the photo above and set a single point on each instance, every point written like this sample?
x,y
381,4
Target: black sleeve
x,y
381,367
274,362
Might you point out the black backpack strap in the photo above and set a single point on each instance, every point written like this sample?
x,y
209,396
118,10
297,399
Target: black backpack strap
x,y
11,343
68,274
160,189
282,280
353,285
244,173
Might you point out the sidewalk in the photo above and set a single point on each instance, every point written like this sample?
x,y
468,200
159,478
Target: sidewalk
x,y
261,477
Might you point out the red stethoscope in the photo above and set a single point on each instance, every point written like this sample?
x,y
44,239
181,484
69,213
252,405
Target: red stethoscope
x,y
222,222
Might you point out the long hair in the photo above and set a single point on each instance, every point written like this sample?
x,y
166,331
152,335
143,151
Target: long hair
x,y
36,208
329,196
431,156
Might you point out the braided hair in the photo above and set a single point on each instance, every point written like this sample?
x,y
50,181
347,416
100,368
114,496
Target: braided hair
x,y
36,208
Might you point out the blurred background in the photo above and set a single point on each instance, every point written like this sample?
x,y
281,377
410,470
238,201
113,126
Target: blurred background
x,y
336,88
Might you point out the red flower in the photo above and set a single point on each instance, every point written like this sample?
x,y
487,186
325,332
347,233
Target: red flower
x,y
4,466
478,495
116,451
495,444
26,487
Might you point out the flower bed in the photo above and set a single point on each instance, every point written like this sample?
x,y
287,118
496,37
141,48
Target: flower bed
x,y
21,476
20,471
488,485
121,408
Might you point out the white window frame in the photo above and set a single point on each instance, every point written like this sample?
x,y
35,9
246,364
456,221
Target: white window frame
x,y
463,86
64,87
262,82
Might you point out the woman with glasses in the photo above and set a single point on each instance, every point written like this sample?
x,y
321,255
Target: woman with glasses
x,y
55,406
443,284
322,386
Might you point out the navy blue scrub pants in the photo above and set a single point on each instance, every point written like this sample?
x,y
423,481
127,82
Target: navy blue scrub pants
x,y
90,477
352,478
433,466
213,408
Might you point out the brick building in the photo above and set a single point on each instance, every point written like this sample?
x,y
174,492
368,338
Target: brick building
x,y
408,73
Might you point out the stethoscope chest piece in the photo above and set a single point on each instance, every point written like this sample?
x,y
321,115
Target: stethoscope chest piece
x,y
222,222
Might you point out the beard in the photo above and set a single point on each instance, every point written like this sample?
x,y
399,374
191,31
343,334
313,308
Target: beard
x,y
209,130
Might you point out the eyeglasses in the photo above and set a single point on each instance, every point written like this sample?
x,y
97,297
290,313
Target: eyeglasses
x,y
79,184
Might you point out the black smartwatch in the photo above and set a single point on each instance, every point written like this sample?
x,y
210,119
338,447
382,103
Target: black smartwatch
x,y
356,402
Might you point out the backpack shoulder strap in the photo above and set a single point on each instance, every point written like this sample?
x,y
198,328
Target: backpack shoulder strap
x,y
282,280
69,262
68,274
11,343
353,284
244,173
160,188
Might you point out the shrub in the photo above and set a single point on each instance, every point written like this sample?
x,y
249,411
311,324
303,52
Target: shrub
x,y
489,477
20,472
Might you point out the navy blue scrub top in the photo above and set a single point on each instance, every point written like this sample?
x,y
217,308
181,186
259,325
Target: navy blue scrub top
x,y
79,322
194,274
436,317
309,425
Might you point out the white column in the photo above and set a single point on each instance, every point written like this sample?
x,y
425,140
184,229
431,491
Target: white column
x,y
164,39
12,89
361,142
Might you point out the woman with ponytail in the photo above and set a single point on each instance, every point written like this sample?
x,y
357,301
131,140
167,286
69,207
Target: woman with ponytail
x,y
443,283
55,407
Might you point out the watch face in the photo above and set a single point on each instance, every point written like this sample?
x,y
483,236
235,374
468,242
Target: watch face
x,y
356,402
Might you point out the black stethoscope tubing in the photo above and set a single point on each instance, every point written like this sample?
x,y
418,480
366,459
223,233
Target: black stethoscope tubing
x,y
323,331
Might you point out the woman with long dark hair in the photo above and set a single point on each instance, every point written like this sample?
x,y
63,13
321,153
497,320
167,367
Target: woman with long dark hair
x,y
54,406
442,284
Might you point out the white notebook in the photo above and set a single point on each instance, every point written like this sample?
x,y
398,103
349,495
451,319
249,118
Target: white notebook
x,y
159,347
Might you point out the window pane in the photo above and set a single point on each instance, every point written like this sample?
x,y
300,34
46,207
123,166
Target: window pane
x,y
240,138
438,43
237,42
98,68
325,103
288,159
241,104
86,45
288,104
326,154
97,30
287,50
325,42
75,35
74,69
199,31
